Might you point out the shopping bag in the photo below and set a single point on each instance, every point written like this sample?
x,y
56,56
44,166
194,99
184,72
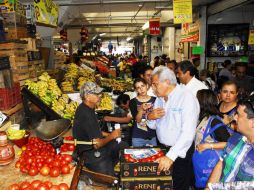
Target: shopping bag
x,y
204,162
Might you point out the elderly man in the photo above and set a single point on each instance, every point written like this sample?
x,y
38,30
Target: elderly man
x,y
236,163
174,117
105,153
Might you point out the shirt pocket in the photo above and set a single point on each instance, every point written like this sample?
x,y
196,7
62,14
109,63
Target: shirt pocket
x,y
175,118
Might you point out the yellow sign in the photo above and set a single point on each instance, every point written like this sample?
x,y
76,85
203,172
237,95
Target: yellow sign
x,y
46,12
251,38
182,10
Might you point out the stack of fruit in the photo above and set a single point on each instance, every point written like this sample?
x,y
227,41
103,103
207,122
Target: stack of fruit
x,y
39,157
38,184
14,134
106,103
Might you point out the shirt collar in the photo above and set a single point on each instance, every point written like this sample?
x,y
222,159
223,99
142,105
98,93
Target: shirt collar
x,y
245,140
191,81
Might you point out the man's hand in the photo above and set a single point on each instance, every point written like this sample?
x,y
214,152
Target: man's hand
x,y
115,134
107,118
98,143
156,114
165,163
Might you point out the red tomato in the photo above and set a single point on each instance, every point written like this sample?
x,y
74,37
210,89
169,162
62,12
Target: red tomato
x,y
24,185
23,169
42,186
63,162
35,183
13,187
71,147
33,172
45,170
67,158
17,165
49,160
48,183
56,163
54,187
54,172
71,166
63,186
65,169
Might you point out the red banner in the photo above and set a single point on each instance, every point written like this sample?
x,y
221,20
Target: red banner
x,y
154,27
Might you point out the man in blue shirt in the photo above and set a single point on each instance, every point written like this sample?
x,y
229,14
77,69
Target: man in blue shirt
x,y
174,117
237,160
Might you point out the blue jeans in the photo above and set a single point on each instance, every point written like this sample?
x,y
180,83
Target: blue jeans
x,y
139,142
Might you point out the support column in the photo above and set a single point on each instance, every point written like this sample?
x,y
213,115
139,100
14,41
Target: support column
x,y
202,35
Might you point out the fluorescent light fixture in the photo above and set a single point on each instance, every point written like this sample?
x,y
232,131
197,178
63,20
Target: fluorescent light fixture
x,y
102,34
128,39
94,37
145,26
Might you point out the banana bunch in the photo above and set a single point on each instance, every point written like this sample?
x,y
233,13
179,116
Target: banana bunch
x,y
72,72
53,87
32,86
44,77
67,86
70,110
106,103
14,134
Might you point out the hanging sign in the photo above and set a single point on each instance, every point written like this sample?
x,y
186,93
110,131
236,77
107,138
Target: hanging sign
x,y
190,32
251,37
182,11
46,12
198,50
154,27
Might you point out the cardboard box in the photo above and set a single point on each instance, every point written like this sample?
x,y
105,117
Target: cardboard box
x,y
145,184
140,169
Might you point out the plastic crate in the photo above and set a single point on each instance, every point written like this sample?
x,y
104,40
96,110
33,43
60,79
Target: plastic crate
x,y
10,97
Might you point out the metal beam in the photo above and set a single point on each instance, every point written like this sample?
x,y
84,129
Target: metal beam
x,y
114,2
225,5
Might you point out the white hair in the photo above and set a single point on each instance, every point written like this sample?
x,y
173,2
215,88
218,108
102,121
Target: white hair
x,y
165,73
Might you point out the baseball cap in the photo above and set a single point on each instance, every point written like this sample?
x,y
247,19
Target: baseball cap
x,y
90,88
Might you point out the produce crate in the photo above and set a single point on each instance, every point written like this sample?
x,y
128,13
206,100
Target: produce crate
x,y
10,97
148,183
34,55
143,168
13,33
31,44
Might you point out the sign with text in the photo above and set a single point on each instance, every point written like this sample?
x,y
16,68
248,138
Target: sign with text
x,y
154,27
46,12
251,37
190,32
182,11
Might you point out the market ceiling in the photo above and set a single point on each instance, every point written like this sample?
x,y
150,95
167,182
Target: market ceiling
x,y
120,18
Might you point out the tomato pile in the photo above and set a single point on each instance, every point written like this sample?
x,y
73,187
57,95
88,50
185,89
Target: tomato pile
x,y
38,185
129,158
40,157
66,146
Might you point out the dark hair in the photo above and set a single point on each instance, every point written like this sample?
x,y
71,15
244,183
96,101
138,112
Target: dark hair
x,y
249,104
157,57
230,82
146,68
138,80
241,64
122,99
226,63
173,62
187,66
208,103
204,72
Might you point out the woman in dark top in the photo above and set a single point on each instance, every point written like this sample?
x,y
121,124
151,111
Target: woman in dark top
x,y
228,97
140,107
208,108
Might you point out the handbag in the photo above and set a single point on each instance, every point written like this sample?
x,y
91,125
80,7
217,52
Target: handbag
x,y
204,162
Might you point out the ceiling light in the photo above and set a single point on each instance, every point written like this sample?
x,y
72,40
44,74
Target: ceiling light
x,y
129,39
140,5
102,34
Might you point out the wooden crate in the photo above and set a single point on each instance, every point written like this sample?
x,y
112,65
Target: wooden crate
x,y
13,33
31,44
20,76
13,45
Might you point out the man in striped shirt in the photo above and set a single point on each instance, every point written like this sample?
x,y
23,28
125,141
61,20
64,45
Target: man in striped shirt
x,y
237,159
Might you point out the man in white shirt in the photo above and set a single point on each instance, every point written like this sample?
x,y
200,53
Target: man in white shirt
x,y
174,118
186,74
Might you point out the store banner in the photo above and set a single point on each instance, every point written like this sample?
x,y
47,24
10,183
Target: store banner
x,y
182,11
251,37
190,32
154,27
8,6
46,12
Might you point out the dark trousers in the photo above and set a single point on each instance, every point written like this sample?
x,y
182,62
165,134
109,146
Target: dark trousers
x,y
108,159
183,171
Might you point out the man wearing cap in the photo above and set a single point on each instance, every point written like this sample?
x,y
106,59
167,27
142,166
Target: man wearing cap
x,y
103,156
